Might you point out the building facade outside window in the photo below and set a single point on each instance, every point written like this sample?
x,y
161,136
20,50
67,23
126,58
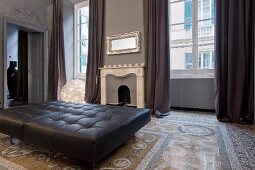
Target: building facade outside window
x,y
191,38
81,23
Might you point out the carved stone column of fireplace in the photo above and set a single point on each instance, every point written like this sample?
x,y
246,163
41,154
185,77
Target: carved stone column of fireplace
x,y
122,75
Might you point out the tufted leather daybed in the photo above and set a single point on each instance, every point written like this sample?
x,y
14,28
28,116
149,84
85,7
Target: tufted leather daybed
x,y
86,132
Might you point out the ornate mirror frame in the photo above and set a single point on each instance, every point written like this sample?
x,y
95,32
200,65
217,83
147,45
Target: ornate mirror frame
x,y
126,36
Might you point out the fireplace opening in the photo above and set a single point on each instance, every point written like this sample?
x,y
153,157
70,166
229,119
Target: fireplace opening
x,y
124,95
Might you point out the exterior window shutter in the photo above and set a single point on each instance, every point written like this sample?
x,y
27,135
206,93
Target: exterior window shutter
x,y
187,14
188,60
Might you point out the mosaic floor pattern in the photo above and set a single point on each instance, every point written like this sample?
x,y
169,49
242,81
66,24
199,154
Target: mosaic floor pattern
x,y
180,141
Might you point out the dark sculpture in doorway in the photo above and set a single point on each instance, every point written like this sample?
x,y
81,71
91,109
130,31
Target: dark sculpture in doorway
x,y
12,72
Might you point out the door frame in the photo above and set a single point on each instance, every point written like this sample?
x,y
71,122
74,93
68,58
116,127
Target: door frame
x,y
31,28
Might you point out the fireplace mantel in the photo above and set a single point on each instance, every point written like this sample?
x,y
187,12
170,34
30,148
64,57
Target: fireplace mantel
x,y
122,71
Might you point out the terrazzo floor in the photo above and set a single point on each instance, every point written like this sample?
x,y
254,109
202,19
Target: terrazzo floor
x,y
239,138
182,140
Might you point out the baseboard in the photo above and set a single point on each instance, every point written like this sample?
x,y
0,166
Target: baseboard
x,y
193,109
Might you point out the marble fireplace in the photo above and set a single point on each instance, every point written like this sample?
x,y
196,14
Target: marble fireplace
x,y
123,84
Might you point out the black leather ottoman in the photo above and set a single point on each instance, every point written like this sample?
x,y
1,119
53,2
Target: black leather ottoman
x,y
87,132
12,120
11,123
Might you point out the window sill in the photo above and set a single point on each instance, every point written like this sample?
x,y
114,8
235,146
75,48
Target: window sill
x,y
80,77
193,76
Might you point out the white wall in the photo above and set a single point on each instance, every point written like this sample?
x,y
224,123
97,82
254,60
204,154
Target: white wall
x,y
12,43
7,7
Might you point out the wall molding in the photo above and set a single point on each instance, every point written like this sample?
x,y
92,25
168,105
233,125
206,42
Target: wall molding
x,y
25,16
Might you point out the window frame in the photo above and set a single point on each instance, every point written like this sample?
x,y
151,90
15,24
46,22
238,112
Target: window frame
x,y
195,72
77,7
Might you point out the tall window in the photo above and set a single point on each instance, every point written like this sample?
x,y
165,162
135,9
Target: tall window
x,y
81,39
192,37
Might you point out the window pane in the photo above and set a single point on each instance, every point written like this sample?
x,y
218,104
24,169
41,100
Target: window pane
x,y
81,40
206,57
206,60
83,55
181,58
180,36
181,12
83,15
205,32
82,32
83,64
84,47
205,9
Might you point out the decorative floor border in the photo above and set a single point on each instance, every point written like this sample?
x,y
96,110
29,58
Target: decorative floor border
x,y
149,157
8,165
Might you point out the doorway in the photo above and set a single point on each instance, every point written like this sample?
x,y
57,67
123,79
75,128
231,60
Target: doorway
x,y
24,64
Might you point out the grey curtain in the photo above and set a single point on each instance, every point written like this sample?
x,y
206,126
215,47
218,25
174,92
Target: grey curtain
x,y
157,83
95,51
57,71
234,68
